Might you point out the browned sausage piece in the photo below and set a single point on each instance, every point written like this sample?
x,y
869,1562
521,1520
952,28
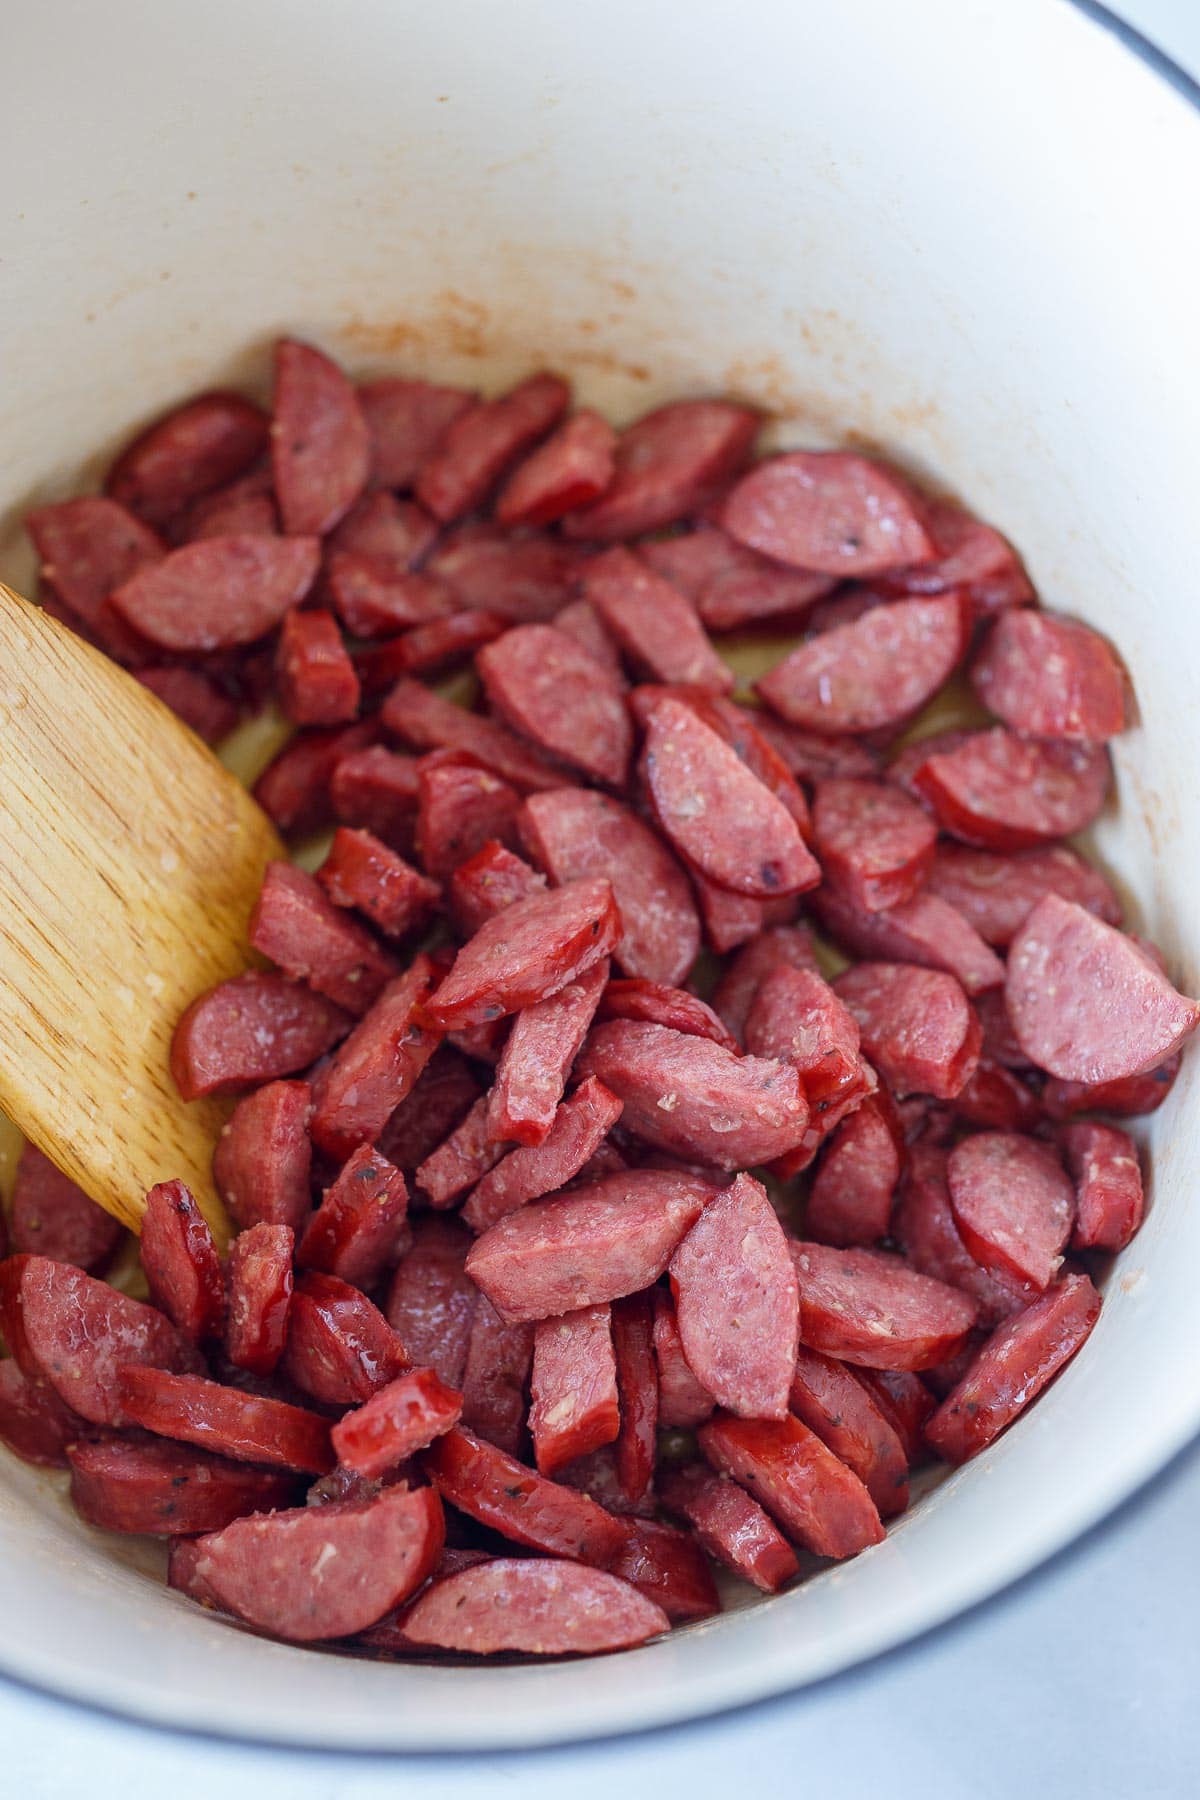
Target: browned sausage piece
x,y
582,622
728,584
500,1492
263,1157
637,1385
737,1302
218,592
377,1065
375,597
67,1329
340,1348
320,446
432,1300
905,1402
1104,1165
669,464
483,443
246,1427
1086,1002
574,1407
572,468
1002,792
829,511
496,1377
363,873
924,1224
274,1571
874,843
181,1264
249,1030
540,1607
581,1124
527,953
165,1490
1127,1098
537,1057
423,718
612,1238
87,547
1013,1204
917,1025
259,1297
1013,1367
199,702
295,790
732,1527
789,945
460,807
554,692
655,625
832,1401
996,893
796,1017
865,1306
717,813
873,674
925,930
395,1422
406,420
819,1502
197,447
850,1201
361,1225
574,833
523,579
970,555
461,1160
682,1402
811,756
488,882
1050,678
314,676
655,1003
51,1216
668,1566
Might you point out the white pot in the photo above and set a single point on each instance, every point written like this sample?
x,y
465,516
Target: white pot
x,y
962,229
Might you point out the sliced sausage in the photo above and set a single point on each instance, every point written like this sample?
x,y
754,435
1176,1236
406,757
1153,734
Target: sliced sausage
x,y
496,1377
50,1216
488,882
612,1238
574,1407
87,547
219,592
682,1402
375,597
996,893
406,420
969,555
574,834
997,1100
655,625
483,443
426,649
582,622
811,756
669,1567
1002,792
180,1261
819,1502
925,930
311,939
581,1124
500,1492
73,1332
377,1065
691,1096
831,1400
259,1297
320,446
1086,1002
1128,1097
724,820
781,945
1013,1204
247,1427
273,1571
829,511
657,1004
395,533
1013,1367
423,718
442,1096
917,1026
463,1159
296,788
571,469
249,1030
874,843
396,1422
523,579
527,953
554,692
1050,678
192,697
314,676
539,1607
850,1201
263,1157
361,1225
737,1302
669,463
868,1307
340,1348
732,1527
363,873
164,1490
431,1301
460,807
637,1385
192,450
796,1018
1109,1200
924,1224
729,584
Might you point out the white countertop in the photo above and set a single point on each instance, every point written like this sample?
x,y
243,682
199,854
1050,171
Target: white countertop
x,y
1083,1680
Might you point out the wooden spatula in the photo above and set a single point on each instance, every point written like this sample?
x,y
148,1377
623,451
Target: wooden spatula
x,y
129,864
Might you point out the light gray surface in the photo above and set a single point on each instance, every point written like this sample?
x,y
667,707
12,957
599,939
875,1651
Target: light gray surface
x,y
1080,1681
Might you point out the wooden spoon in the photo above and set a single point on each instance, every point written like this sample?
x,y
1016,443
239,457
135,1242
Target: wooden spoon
x,y
129,864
